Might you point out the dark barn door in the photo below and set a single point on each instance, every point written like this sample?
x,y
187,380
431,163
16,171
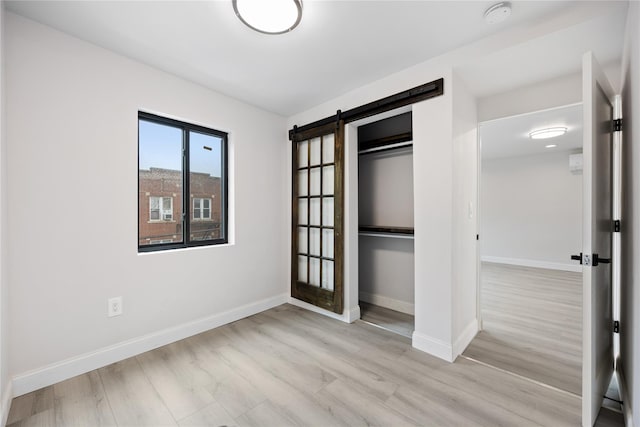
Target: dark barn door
x,y
317,216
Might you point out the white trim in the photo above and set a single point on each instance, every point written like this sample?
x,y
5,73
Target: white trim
x,y
349,315
390,303
533,263
5,403
529,113
624,395
432,346
60,371
465,338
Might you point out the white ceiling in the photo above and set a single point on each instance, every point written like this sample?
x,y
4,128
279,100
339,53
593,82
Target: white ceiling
x,y
509,137
339,45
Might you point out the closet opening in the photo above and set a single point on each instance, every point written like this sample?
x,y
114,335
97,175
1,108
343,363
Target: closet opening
x,y
385,224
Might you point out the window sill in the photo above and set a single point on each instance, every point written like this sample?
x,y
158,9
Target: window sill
x,y
192,248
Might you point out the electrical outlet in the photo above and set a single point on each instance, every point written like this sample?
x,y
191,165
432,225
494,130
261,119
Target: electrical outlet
x,y
114,306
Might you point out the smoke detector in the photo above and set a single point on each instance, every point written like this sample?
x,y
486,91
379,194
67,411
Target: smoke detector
x,y
497,13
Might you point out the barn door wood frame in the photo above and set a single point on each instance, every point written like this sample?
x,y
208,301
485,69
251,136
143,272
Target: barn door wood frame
x,y
317,220
317,242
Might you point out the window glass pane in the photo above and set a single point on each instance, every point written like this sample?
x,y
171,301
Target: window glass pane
x,y
314,272
302,240
327,179
303,153
303,211
314,241
327,274
315,151
327,211
327,148
327,243
205,183
315,182
302,183
159,182
302,269
314,206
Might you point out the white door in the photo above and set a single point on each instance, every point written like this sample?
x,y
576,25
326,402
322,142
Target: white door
x,y
597,333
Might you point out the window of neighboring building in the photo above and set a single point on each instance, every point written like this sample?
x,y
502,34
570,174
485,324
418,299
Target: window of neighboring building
x,y
160,209
201,208
182,184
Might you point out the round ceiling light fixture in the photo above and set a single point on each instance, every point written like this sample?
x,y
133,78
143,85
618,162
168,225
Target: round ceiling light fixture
x,y
269,16
548,133
497,13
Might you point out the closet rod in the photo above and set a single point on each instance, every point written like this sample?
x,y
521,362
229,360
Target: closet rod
x,y
387,147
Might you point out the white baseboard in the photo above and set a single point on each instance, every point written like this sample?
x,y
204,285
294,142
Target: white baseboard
x,y
624,394
390,303
577,268
349,315
5,403
48,375
465,338
432,346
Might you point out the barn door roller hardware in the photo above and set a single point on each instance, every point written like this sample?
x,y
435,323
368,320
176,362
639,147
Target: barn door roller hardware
x,y
407,97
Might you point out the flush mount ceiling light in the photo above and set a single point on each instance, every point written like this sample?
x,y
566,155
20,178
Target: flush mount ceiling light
x,y
547,133
269,16
551,146
497,13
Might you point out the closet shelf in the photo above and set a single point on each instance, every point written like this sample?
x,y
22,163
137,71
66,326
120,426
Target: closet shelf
x,y
386,231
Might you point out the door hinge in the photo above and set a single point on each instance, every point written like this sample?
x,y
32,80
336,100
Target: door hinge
x,y
616,226
616,326
617,125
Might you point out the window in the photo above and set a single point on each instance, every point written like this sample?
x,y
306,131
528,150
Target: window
x,y
201,208
182,184
160,208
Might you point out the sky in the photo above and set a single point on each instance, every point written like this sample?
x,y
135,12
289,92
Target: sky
x,y
160,146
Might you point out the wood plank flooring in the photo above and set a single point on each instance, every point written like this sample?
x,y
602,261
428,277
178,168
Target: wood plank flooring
x,y
291,367
391,320
532,321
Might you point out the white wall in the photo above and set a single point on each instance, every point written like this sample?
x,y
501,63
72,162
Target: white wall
x,y
531,211
433,199
465,206
547,94
386,188
5,383
386,272
630,235
72,181
561,91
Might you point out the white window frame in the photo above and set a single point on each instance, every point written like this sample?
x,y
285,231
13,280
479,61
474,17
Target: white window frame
x,y
200,210
163,212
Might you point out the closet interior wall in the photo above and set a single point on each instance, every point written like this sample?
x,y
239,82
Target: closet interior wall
x,y
385,198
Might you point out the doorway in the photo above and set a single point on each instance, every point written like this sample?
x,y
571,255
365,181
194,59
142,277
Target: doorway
x,y
530,293
385,223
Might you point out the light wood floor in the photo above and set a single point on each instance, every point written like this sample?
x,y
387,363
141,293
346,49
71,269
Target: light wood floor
x,y
532,321
288,366
385,318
